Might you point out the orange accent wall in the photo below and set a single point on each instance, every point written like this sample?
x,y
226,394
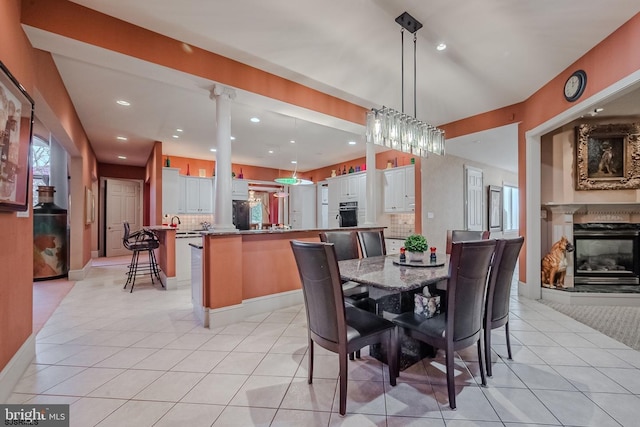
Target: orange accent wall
x,y
16,250
109,170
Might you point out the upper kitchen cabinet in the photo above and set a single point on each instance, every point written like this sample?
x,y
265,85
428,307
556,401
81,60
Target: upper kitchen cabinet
x,y
199,195
239,189
399,189
170,190
350,187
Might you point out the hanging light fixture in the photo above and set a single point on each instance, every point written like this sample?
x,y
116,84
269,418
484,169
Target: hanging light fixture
x,y
400,131
294,180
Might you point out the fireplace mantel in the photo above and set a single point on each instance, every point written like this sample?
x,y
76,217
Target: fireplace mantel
x,y
610,212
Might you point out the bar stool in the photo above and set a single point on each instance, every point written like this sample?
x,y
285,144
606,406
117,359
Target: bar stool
x,y
141,241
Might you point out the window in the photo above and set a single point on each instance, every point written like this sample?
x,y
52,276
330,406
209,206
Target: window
x,y
41,166
511,211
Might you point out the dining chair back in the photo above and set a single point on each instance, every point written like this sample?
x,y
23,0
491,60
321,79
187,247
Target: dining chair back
x,y
346,243
499,292
464,236
460,325
372,243
332,325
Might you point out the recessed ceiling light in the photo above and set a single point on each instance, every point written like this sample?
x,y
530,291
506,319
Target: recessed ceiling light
x,y
178,130
441,46
270,151
122,157
352,143
255,120
121,138
292,141
294,161
123,102
599,110
175,136
213,150
233,138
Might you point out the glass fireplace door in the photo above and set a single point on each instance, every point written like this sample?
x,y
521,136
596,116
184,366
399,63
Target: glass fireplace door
x,y
606,258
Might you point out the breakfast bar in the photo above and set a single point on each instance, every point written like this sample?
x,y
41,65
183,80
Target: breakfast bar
x,y
246,273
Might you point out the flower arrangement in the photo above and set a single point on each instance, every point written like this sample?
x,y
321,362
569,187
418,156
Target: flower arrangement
x,y
416,243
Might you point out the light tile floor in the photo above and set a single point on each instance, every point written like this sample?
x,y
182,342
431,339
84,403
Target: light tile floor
x,y
140,359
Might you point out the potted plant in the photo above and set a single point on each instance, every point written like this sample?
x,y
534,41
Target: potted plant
x,y
416,245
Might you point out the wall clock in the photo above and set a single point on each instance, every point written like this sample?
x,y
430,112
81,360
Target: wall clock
x,y
574,86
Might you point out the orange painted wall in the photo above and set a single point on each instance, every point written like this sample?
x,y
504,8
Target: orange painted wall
x,y
249,172
153,182
109,170
16,248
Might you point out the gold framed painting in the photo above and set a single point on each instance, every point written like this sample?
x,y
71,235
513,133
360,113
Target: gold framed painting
x,y
89,206
16,122
607,156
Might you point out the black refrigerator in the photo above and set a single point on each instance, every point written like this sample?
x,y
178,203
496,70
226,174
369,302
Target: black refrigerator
x,y
241,214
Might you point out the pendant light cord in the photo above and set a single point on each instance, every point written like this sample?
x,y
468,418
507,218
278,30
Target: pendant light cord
x,y
415,110
402,64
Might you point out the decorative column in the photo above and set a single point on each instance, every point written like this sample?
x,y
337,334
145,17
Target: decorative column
x,y
372,183
223,218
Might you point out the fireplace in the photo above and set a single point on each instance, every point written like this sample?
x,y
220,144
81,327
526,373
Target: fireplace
x,y
607,253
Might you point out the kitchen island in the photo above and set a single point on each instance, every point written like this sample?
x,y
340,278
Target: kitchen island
x,y
251,272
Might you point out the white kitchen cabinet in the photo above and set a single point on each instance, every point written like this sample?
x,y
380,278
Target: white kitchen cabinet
x,y
352,187
183,258
302,206
393,245
182,194
399,190
199,195
170,190
333,194
239,189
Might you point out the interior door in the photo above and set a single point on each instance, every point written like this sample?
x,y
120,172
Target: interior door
x,y
123,203
473,198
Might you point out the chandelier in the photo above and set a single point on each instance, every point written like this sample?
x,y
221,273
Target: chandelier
x,y
393,129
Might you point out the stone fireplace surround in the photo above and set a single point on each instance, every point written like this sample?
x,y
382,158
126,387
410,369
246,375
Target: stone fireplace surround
x,y
558,220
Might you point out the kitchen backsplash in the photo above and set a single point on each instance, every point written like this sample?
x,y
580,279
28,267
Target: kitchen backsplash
x,y
401,225
191,222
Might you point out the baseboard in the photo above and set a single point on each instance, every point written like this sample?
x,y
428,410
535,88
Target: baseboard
x,y
80,274
239,312
170,283
18,364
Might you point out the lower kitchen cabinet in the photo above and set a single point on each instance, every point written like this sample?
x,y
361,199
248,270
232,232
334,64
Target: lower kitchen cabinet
x,y
183,258
393,245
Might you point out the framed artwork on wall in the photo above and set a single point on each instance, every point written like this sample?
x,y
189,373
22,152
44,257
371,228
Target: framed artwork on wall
x,y
606,156
89,206
495,208
16,122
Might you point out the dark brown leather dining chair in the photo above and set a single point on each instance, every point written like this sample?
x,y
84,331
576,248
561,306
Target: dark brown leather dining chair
x,y
332,325
499,293
464,236
372,243
460,326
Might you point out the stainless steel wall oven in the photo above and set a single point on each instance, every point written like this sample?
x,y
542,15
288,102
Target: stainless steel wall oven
x,y
348,214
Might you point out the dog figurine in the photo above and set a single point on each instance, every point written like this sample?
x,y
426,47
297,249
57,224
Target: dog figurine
x,y
554,264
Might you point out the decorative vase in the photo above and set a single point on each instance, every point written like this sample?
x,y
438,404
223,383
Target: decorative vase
x,y
415,256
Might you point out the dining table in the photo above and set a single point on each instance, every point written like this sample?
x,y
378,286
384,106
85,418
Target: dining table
x,y
392,285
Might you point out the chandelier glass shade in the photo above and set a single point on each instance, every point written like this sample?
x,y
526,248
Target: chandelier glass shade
x,y
293,180
393,129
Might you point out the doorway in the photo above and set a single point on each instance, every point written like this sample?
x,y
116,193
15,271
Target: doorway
x,y
122,202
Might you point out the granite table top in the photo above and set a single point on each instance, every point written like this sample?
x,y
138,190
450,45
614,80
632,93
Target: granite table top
x,y
380,272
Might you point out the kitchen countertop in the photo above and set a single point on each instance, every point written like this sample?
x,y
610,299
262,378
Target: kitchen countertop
x,y
281,231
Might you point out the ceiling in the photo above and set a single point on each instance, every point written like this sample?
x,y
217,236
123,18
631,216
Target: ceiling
x,y
499,53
